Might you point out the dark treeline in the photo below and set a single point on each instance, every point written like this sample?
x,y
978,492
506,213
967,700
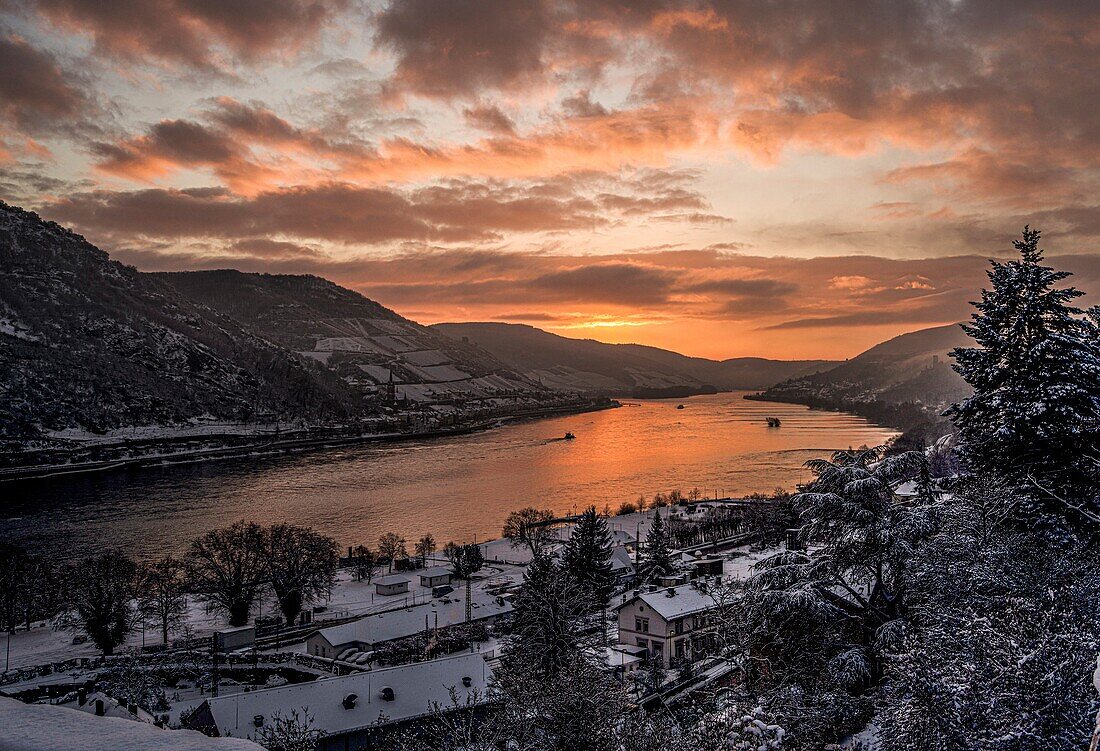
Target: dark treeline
x,y
108,597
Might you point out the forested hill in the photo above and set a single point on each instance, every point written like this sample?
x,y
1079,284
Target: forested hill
x,y
901,381
93,350
91,345
621,369
366,344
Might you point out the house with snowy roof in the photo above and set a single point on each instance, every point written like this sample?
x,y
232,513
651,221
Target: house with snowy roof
x,y
435,576
394,584
371,631
671,623
622,567
102,705
357,711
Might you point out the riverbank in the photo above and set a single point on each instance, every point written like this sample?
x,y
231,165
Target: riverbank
x,y
903,416
214,447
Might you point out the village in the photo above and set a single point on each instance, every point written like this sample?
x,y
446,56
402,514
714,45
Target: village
x,y
399,641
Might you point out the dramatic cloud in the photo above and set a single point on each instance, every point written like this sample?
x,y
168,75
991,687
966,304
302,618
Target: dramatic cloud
x,y
451,211
36,95
450,47
194,33
490,118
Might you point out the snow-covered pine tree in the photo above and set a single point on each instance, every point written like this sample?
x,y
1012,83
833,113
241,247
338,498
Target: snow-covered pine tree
x,y
658,556
547,620
587,556
1034,417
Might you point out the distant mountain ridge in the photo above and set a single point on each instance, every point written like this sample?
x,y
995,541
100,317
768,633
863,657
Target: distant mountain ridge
x,y
903,381
621,369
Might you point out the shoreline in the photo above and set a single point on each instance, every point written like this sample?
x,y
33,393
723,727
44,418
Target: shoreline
x,y
266,447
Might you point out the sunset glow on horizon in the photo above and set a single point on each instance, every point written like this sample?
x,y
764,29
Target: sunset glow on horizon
x,y
720,178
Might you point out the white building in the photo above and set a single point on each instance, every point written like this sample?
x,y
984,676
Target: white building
x,y
672,623
354,710
394,584
435,576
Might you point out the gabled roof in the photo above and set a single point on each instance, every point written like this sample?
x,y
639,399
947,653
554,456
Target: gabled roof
x,y
620,559
415,689
435,571
397,624
111,708
685,599
392,579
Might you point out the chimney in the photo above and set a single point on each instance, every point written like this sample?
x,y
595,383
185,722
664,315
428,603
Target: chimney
x,y
100,710
81,696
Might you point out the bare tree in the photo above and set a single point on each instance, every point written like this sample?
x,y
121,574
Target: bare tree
x,y
301,566
101,594
161,594
293,732
15,566
529,527
425,546
391,546
363,560
29,589
226,567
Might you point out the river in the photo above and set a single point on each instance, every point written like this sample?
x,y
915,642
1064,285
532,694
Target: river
x,y
456,488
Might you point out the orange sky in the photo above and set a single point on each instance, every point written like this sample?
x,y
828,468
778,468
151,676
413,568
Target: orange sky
x,y
734,178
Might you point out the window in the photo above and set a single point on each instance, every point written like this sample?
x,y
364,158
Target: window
x,y
643,643
658,647
641,625
680,648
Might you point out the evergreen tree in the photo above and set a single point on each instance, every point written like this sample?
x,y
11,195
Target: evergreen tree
x,y
587,556
466,560
1034,418
658,556
547,620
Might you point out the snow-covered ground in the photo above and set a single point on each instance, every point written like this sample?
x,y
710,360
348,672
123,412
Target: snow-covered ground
x,y
199,429
42,644
43,727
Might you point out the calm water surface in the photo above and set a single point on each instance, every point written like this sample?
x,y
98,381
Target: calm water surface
x,y
455,488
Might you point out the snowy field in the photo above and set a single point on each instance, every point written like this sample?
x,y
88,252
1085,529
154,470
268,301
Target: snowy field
x,y
42,644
